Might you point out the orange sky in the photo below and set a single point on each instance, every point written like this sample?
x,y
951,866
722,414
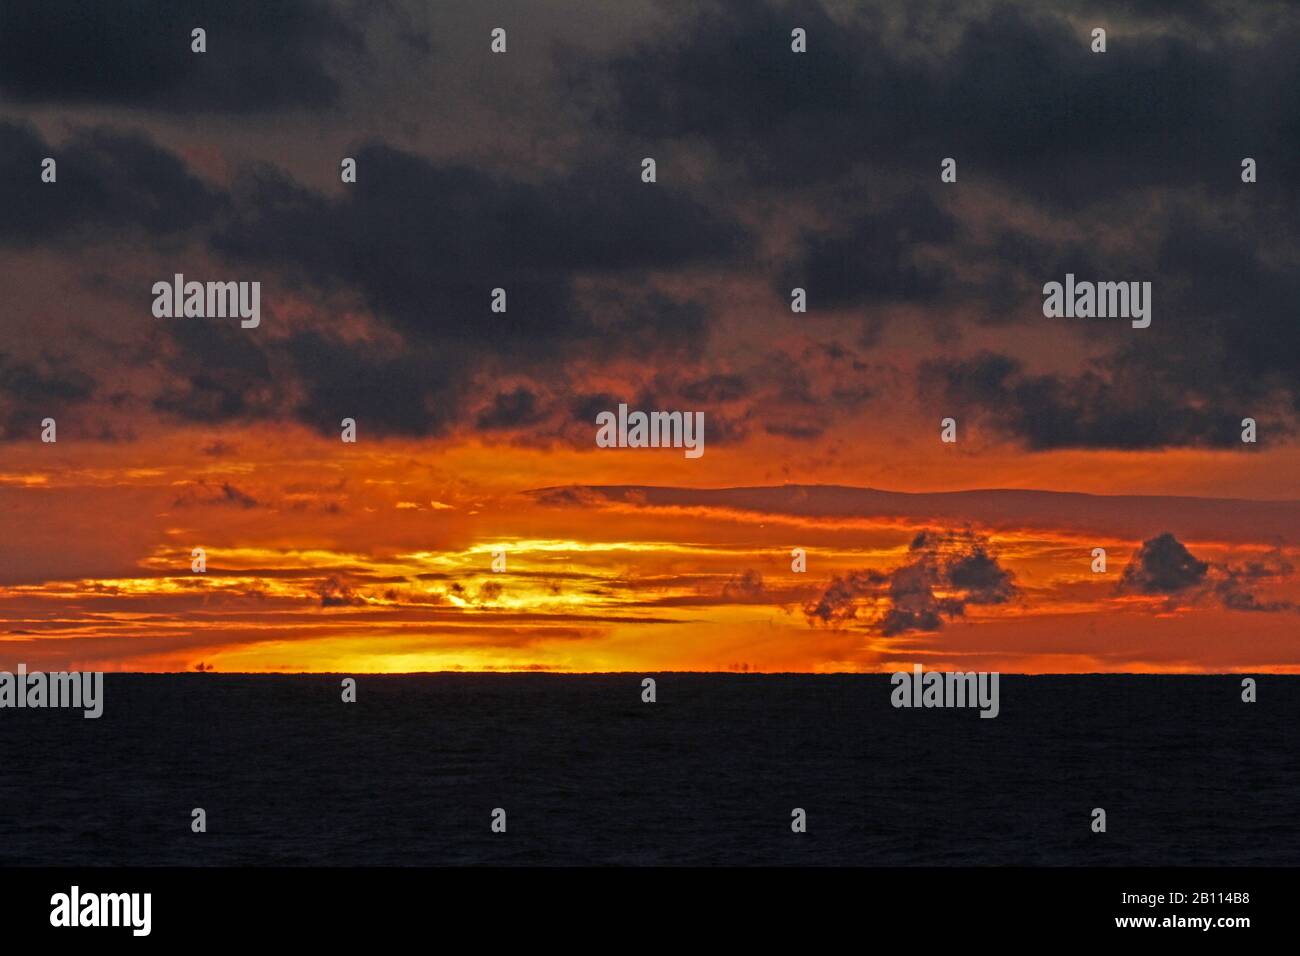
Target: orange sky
x,y
378,557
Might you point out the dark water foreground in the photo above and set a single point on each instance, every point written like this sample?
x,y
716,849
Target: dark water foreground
x,y
587,773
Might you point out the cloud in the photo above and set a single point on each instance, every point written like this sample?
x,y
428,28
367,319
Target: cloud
x,y
513,409
1219,519
1011,89
422,246
109,182
874,258
411,392
425,244
717,387
202,493
43,381
32,391
218,449
1164,566
336,592
1132,406
1068,161
489,592
777,170
219,373
746,585
946,572
260,57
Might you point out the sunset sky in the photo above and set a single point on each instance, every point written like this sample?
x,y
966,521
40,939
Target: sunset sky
x,y
476,430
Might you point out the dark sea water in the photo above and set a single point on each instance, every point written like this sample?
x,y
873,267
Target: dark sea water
x,y
588,774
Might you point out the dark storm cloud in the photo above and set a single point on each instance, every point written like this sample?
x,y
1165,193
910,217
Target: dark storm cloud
x,y
956,563
512,409
1200,12
716,388
840,599
875,257
218,373
976,573
33,390
1163,566
260,56
708,78
414,393
1223,344
426,244
107,181
849,136
50,381
1130,405
585,408
631,319
1017,94
1235,585
1236,285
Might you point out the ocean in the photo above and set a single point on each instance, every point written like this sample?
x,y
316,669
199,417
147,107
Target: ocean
x,y
709,774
